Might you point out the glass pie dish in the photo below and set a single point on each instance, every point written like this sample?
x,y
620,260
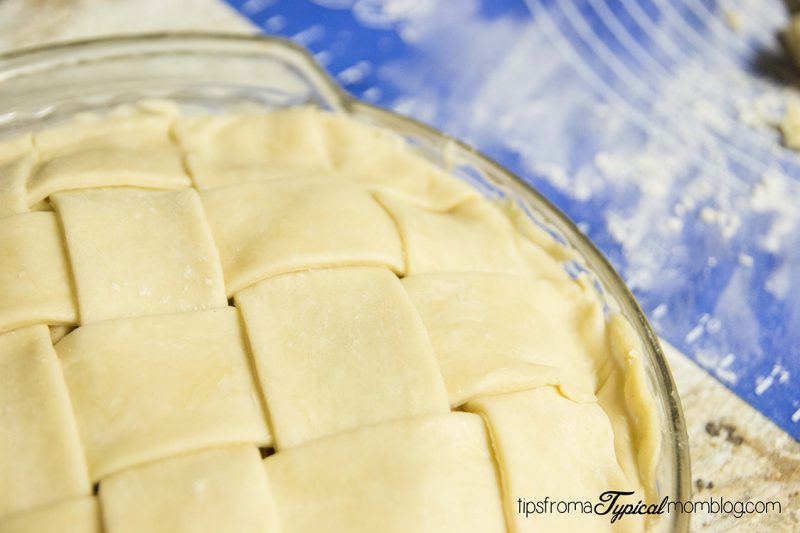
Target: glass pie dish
x,y
45,86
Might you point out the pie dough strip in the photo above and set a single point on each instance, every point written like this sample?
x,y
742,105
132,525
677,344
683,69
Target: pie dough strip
x,y
267,228
41,459
495,333
136,252
427,474
220,490
17,158
306,142
336,349
35,278
551,447
75,515
129,147
384,162
227,149
627,400
473,236
150,387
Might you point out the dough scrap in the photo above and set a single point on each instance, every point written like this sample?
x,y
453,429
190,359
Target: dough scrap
x,y
35,279
216,491
268,228
149,387
336,349
427,474
41,459
137,252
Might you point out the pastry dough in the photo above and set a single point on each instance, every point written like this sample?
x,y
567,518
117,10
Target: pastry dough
x,y
268,228
625,397
303,141
130,147
59,332
17,158
41,460
150,387
496,333
35,281
136,252
376,296
473,236
427,474
222,490
382,161
227,149
337,349
75,515
551,447
544,257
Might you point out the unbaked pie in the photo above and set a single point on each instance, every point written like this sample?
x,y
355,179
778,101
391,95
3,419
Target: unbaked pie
x,y
291,322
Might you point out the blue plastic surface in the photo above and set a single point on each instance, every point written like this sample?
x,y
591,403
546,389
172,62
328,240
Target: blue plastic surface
x,y
650,122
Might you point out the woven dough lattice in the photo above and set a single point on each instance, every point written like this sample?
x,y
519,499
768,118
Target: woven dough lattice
x,y
178,294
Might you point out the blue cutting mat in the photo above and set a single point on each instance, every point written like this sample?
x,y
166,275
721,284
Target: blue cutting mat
x,y
649,122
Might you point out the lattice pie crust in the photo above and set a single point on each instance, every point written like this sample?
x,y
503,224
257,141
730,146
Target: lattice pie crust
x,y
179,291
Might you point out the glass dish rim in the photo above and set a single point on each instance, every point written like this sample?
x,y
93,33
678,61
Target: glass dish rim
x,y
16,59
